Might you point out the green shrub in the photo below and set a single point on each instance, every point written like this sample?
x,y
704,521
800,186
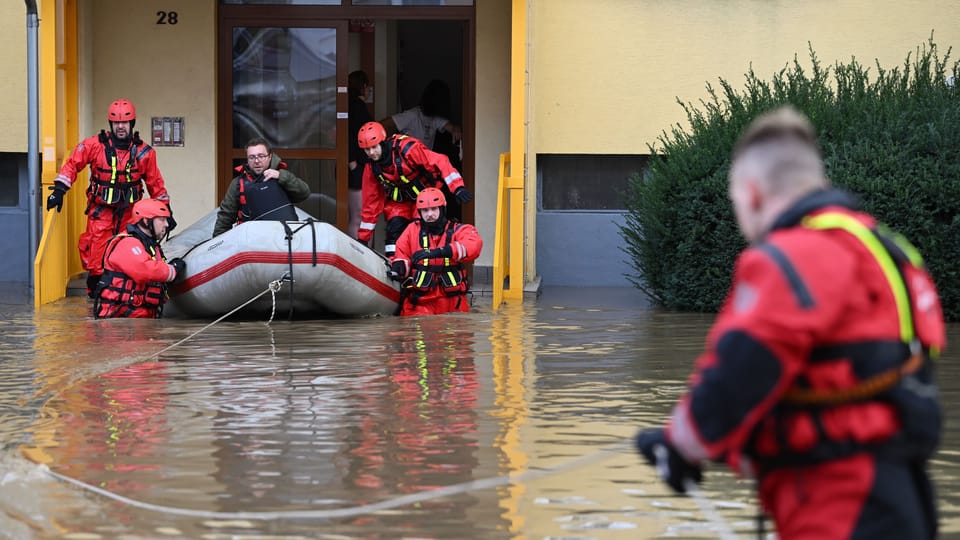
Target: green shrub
x,y
892,138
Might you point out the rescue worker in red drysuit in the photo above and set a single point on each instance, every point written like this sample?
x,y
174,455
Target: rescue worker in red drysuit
x,y
400,167
120,163
817,379
432,251
135,272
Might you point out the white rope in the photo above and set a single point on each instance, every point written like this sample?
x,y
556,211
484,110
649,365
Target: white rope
x,y
404,500
272,288
720,525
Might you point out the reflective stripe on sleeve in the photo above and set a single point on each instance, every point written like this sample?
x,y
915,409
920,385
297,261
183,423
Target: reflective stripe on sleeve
x,y
451,177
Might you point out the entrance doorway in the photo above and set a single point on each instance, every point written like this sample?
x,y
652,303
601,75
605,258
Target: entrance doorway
x,y
283,77
281,85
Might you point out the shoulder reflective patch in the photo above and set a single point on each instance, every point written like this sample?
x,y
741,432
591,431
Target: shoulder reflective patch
x,y
799,288
744,297
137,250
925,297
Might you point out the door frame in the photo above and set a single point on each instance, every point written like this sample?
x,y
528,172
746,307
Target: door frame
x,y
227,153
339,17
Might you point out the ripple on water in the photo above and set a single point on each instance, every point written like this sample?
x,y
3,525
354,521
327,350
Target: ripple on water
x,y
325,414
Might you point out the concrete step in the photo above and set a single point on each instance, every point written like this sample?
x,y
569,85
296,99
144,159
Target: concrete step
x,y
78,286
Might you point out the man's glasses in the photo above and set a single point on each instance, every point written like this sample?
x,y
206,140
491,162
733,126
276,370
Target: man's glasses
x,y
258,157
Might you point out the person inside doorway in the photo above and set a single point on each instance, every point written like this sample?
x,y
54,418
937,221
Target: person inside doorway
x,y
429,123
427,118
358,88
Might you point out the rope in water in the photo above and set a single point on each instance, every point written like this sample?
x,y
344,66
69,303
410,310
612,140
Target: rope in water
x,y
709,511
702,501
404,500
272,288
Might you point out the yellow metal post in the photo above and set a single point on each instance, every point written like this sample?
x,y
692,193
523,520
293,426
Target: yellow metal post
x,y
518,157
500,269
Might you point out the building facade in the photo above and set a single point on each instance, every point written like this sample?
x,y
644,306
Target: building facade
x,y
601,81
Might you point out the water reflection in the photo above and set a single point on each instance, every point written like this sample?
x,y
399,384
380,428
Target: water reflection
x,y
314,416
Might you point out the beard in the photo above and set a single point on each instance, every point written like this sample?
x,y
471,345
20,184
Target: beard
x,y
437,226
121,143
384,154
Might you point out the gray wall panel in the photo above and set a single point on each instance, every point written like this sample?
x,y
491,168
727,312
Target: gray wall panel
x,y
581,249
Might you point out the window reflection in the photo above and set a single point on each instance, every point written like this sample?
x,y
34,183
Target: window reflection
x,y
284,86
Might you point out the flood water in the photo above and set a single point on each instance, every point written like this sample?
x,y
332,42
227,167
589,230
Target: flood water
x,y
509,425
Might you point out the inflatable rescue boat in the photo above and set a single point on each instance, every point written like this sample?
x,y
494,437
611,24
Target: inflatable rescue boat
x,y
314,267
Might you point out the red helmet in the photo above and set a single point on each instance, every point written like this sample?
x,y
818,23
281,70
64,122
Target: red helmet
x,y
430,198
121,110
151,208
371,134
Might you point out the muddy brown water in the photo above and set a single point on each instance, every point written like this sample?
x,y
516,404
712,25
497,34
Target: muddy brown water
x,y
512,425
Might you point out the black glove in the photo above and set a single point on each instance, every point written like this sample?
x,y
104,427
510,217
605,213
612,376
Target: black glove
x,y
463,195
179,265
445,252
397,270
671,466
55,199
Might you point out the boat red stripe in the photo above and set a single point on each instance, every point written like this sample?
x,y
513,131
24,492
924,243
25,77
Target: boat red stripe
x,y
271,257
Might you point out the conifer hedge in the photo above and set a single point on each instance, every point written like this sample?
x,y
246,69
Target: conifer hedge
x,y
890,136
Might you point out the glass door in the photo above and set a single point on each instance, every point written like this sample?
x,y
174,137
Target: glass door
x,y
285,82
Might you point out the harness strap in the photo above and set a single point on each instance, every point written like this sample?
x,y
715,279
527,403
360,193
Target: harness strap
x,y
886,256
289,237
110,190
242,197
870,239
868,388
126,294
408,188
451,276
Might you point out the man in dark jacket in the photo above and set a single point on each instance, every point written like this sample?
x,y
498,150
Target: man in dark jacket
x,y
262,190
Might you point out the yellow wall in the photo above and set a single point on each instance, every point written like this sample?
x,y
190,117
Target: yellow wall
x,y
13,85
606,79
170,71
492,133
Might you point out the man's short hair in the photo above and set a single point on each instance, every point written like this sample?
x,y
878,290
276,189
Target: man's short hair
x,y
783,124
782,148
256,141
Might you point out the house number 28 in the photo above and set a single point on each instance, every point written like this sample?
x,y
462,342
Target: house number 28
x,y
166,17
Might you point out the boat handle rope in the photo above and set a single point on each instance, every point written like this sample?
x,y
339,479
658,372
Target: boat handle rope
x,y
272,288
351,511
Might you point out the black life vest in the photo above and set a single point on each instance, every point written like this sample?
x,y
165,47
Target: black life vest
x,y
263,200
113,186
118,295
406,189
